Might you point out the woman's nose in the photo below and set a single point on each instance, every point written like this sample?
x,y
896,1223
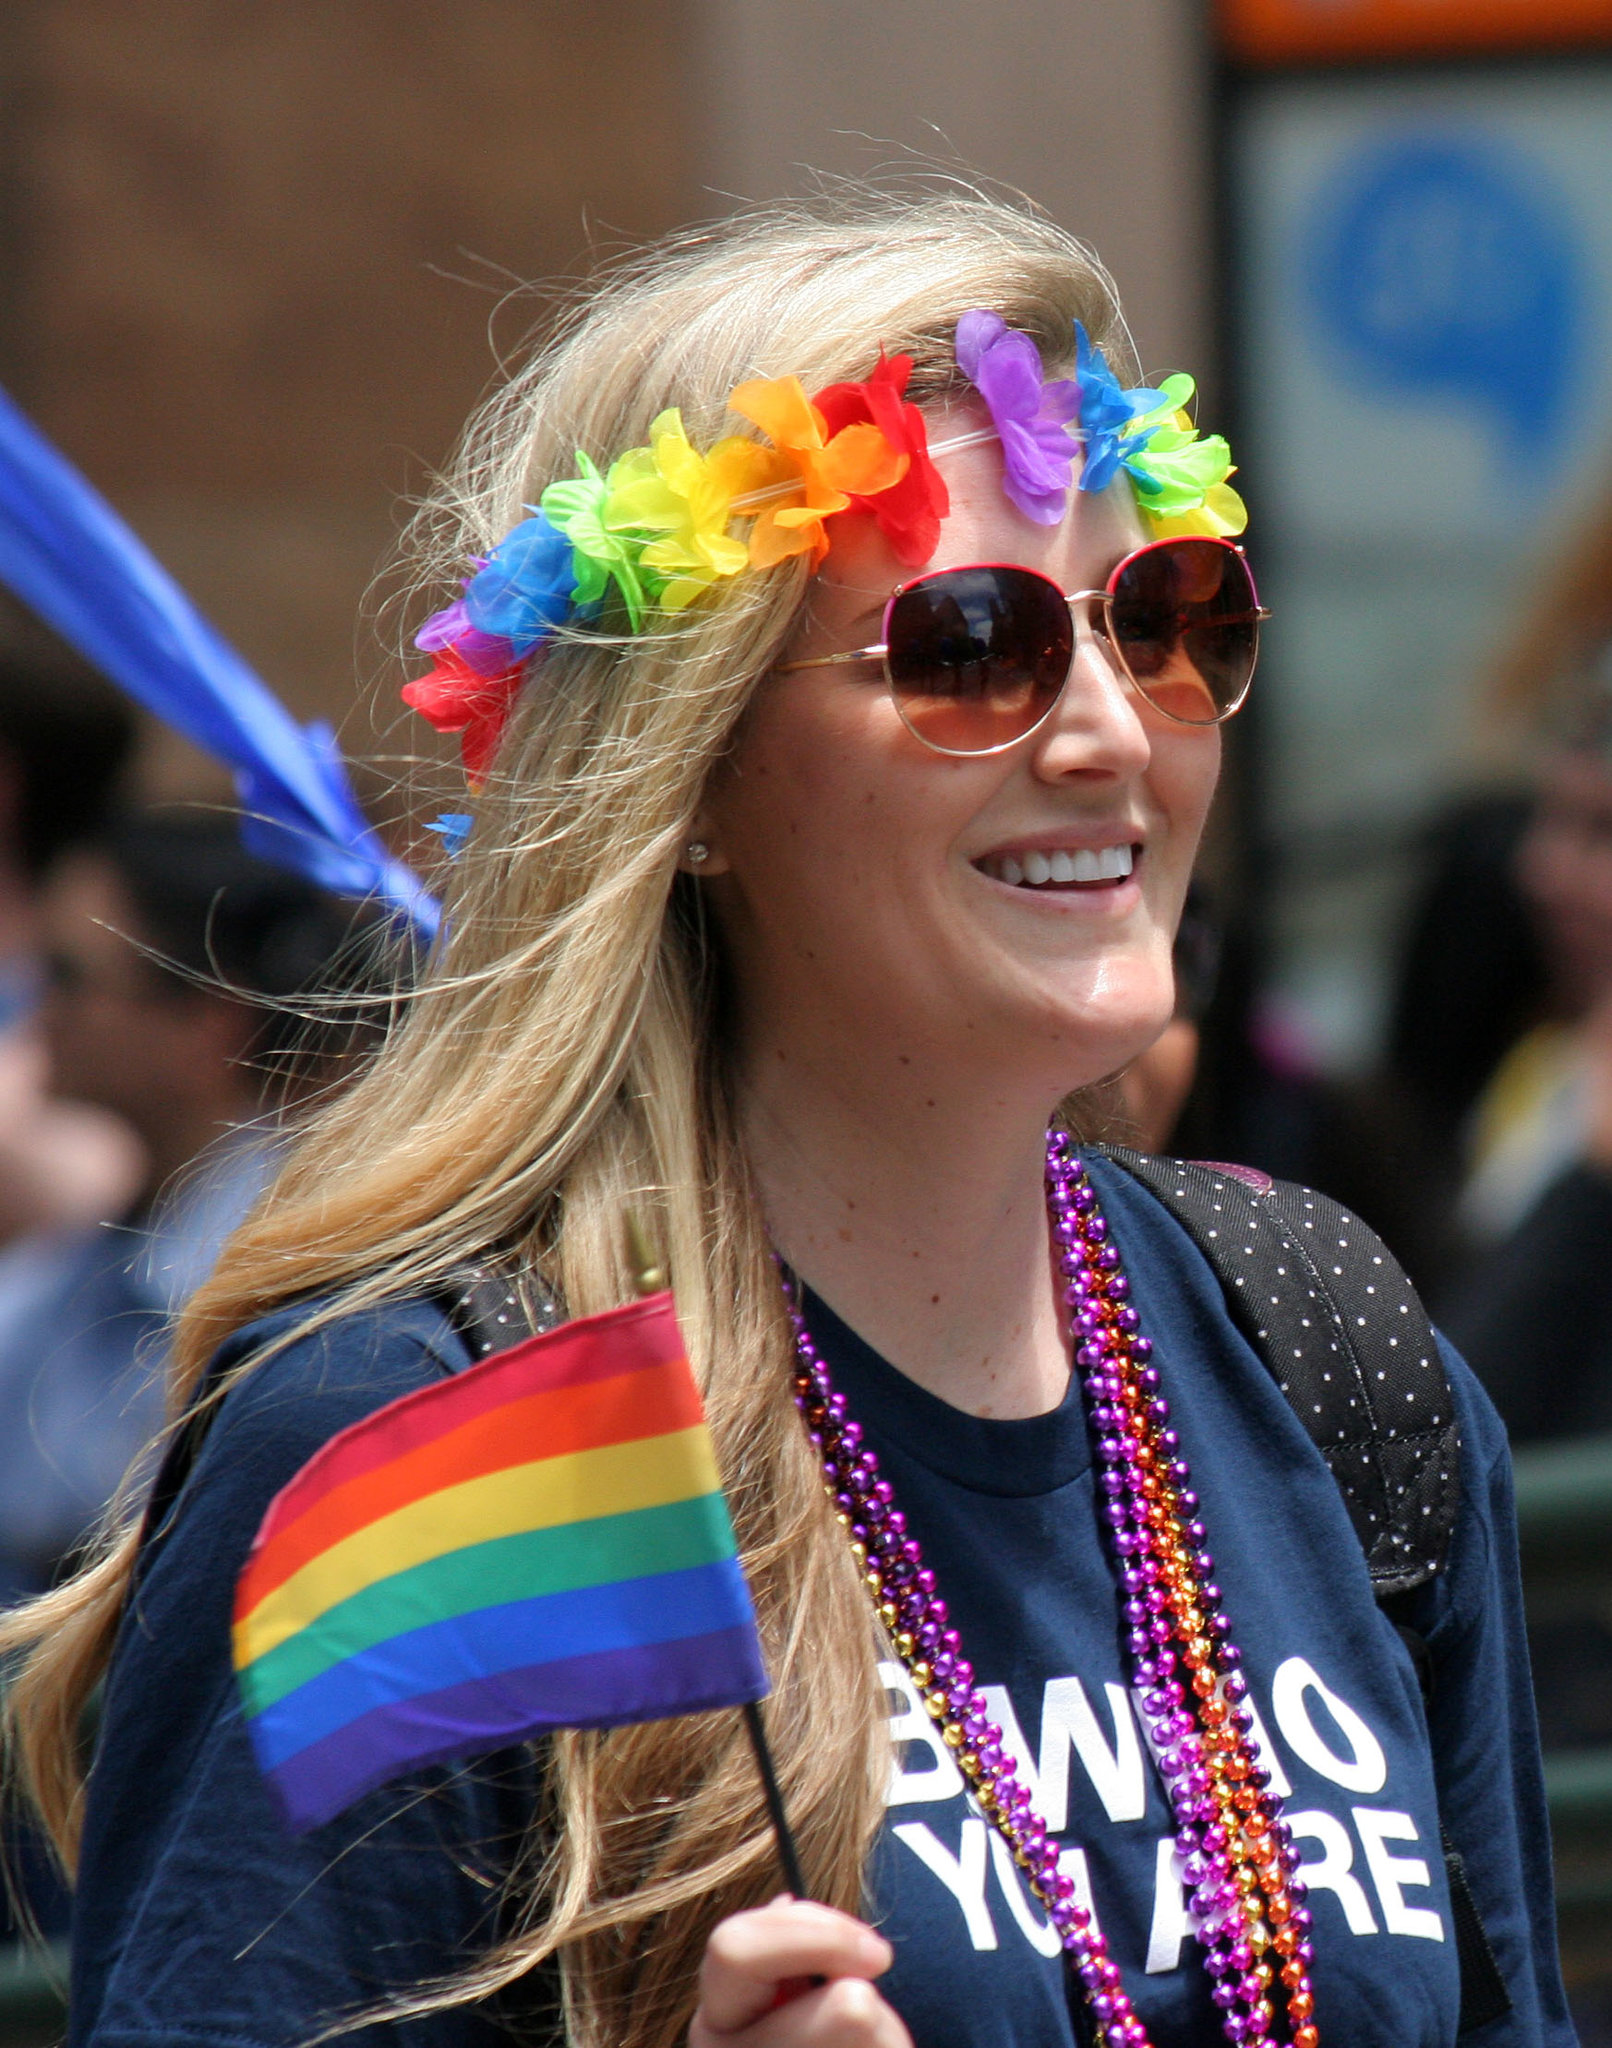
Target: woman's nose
x,y
1096,727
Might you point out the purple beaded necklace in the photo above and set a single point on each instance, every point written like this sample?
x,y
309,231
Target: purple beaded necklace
x,y
1237,1852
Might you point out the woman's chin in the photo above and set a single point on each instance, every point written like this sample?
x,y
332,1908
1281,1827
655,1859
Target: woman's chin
x,y
1097,1026
1051,1068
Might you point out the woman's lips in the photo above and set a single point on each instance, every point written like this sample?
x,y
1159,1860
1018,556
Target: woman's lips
x,y
1062,868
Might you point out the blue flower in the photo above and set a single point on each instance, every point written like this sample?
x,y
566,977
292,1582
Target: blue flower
x,y
453,829
524,589
1106,415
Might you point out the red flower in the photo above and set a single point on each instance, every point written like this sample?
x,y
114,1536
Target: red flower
x,y
910,510
454,697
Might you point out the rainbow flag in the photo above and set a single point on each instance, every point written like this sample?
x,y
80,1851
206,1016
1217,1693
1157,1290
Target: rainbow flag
x,y
538,1542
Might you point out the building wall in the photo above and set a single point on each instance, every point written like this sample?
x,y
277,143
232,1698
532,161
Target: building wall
x,y
256,256
1097,109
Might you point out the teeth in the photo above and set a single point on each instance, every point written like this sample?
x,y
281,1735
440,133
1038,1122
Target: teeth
x,y
1086,864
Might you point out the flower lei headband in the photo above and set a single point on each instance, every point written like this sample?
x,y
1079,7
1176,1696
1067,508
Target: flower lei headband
x,y
656,526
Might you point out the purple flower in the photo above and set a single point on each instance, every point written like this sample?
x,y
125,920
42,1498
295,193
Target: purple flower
x,y
1030,415
486,653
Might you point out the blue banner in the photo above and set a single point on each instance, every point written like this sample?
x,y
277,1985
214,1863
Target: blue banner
x,y
71,559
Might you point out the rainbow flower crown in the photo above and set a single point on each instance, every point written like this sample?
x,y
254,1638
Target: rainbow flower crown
x,y
656,527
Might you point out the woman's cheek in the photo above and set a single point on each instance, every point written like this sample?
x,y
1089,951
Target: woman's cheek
x,y
1185,776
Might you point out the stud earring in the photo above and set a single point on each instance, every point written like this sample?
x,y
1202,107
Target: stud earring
x,y
698,853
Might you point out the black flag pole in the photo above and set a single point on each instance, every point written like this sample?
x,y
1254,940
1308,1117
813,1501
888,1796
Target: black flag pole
x,y
649,1277
788,1854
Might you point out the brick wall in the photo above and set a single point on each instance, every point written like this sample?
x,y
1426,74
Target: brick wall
x,y
253,251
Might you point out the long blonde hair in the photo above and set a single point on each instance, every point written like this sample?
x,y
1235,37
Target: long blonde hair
x,y
564,1058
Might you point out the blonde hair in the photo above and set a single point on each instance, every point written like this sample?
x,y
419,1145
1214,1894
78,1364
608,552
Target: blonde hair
x,y
564,1058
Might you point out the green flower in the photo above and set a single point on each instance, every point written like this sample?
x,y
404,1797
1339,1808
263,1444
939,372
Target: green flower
x,y
576,506
1180,480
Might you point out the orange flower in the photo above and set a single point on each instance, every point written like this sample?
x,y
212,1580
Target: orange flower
x,y
910,507
812,473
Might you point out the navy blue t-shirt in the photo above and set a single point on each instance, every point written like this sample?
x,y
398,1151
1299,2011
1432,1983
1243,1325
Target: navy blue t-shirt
x,y
199,1920
1007,1513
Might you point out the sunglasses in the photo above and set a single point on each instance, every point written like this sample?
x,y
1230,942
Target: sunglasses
x,y
977,657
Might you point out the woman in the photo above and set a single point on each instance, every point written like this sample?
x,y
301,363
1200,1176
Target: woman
x,y
799,947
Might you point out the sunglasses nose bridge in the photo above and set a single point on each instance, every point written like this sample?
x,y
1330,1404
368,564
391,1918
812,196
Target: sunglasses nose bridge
x,y
1082,604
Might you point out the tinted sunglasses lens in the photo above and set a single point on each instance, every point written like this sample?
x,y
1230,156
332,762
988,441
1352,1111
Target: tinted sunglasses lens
x,y
977,656
1185,619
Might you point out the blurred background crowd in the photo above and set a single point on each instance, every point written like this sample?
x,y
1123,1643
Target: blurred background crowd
x,y
258,265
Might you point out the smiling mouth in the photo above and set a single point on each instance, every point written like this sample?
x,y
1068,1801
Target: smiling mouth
x,y
1083,867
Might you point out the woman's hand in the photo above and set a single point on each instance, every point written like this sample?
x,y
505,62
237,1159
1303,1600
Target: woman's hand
x,y
794,1975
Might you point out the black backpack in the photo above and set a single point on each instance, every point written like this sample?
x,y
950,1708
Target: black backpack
x,y
1321,1299
1335,1320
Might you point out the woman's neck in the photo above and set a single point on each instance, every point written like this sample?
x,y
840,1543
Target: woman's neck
x,y
919,1215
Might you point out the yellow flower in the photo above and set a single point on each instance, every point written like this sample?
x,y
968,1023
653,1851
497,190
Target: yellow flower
x,y
807,474
1221,515
686,498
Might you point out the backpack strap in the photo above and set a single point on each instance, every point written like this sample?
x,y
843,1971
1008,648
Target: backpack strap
x,y
1484,1996
1337,1323
1335,1320
492,1308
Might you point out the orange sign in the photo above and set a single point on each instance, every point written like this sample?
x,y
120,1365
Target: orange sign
x,y
1299,31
